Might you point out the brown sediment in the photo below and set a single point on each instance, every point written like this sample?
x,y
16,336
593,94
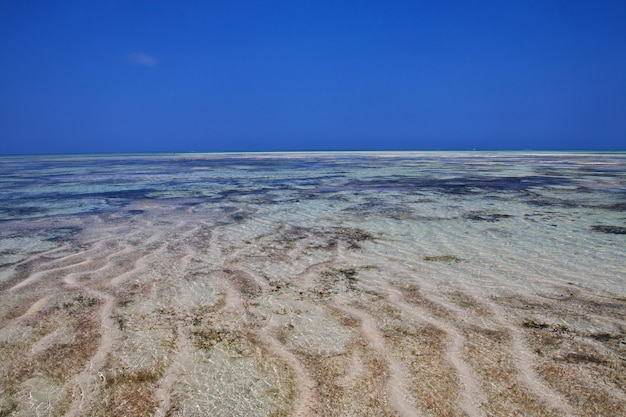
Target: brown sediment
x,y
442,377
304,394
58,337
584,365
396,381
244,282
172,318
491,353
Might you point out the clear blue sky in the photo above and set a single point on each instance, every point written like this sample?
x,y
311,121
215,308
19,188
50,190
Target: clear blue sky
x,y
132,76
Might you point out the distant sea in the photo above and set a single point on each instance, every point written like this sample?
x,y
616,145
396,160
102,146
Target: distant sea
x,y
278,283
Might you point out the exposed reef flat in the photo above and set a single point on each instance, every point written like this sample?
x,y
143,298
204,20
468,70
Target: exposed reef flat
x,y
316,298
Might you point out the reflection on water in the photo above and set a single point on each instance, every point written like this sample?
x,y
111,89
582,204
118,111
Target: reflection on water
x,y
313,284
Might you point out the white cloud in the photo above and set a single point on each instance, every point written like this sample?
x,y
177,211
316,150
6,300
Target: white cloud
x,y
142,58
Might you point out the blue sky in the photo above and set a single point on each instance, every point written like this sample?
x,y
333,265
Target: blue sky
x,y
132,76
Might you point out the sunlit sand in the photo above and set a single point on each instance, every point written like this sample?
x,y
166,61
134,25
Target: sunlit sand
x,y
423,284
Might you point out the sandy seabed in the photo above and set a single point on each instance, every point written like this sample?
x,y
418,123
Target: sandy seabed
x,y
165,309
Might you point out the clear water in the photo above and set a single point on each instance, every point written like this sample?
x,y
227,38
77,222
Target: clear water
x,y
513,218
212,267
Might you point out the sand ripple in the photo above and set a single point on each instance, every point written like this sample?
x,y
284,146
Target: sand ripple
x,y
222,317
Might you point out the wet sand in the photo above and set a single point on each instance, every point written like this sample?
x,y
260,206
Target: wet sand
x,y
164,309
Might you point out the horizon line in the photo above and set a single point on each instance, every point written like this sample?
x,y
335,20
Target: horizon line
x,y
314,151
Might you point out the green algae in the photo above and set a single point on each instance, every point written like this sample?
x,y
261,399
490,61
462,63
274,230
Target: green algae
x,y
443,258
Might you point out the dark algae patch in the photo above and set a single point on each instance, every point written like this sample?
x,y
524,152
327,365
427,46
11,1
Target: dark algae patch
x,y
351,236
485,216
613,230
443,258
533,324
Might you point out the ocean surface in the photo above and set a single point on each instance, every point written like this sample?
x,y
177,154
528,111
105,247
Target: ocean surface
x,y
354,283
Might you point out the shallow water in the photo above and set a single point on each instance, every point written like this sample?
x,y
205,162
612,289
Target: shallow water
x,y
313,284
